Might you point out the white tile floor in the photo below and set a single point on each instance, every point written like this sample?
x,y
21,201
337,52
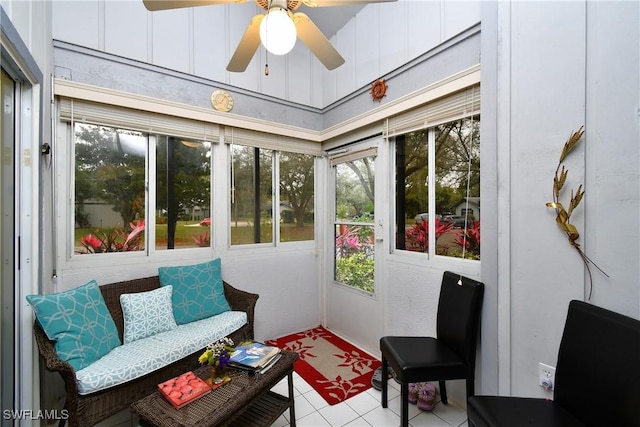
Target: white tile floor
x,y
363,410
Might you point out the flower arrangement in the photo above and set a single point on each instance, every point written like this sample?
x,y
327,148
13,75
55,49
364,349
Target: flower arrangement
x,y
218,353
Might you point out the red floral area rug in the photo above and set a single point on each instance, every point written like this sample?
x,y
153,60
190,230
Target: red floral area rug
x,y
333,367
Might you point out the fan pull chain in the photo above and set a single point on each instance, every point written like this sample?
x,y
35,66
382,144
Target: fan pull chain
x,y
266,52
266,62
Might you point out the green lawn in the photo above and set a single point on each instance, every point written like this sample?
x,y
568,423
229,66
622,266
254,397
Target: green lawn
x,y
243,234
186,231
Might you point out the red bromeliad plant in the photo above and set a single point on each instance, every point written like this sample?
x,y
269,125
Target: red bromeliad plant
x,y
114,240
470,238
202,240
348,241
418,236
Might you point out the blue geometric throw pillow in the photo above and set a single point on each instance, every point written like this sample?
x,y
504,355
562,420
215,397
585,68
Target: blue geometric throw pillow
x,y
147,313
79,322
198,291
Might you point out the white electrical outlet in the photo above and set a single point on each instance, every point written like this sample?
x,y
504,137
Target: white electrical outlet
x,y
546,376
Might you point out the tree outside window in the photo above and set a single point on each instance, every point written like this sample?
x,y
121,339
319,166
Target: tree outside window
x,y
457,146
110,192
183,193
296,197
253,182
455,189
251,195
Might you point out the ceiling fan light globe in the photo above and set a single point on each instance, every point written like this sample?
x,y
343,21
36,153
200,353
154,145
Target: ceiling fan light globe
x,y
277,32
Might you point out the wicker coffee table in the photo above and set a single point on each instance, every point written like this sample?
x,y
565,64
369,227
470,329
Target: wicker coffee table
x,y
245,401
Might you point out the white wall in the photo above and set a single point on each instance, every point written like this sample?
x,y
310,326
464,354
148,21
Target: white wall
x,y
548,68
612,160
200,41
382,37
288,296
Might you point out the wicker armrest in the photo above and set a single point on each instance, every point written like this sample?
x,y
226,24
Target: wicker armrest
x,y
241,301
52,361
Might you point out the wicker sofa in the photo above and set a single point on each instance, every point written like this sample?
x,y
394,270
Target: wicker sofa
x,y
89,409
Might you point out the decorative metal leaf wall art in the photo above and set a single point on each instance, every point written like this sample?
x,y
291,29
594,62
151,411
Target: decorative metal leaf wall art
x,y
563,216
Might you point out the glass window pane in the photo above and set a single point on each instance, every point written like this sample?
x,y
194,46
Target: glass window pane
x,y
296,197
109,187
355,190
354,253
412,196
354,228
183,193
458,173
251,195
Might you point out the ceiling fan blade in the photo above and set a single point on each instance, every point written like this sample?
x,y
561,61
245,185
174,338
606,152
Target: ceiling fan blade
x,y
154,5
247,47
325,3
317,43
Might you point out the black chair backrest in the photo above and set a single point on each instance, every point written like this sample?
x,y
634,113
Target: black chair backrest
x,y
598,369
458,316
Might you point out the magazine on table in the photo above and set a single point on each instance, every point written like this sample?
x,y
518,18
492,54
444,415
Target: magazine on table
x,y
254,356
270,364
183,389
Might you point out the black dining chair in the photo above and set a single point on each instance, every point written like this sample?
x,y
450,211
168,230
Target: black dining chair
x,y
597,381
451,355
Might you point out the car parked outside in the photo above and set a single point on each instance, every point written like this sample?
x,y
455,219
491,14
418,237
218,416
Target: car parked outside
x,y
456,220
424,216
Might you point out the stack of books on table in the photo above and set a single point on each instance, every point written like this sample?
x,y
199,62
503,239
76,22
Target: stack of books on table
x,y
254,357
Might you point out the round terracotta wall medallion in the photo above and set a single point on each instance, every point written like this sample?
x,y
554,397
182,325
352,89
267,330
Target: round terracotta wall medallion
x,y
378,90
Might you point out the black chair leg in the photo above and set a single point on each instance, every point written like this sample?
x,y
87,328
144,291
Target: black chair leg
x,y
404,402
385,378
470,386
443,393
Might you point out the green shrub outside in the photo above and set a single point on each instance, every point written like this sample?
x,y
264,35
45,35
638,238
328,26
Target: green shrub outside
x,y
356,270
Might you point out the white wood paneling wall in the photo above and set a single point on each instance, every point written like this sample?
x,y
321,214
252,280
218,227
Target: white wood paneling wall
x,y
200,41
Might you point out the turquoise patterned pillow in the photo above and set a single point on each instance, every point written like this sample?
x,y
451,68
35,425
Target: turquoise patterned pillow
x,y
147,313
79,322
197,290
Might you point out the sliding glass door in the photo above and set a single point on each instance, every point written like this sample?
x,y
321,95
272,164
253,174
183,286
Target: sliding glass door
x,y
7,232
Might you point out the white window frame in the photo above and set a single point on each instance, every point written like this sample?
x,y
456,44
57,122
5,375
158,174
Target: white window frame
x,y
459,105
275,196
106,107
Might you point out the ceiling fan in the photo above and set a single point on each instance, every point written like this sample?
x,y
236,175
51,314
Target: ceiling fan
x,y
277,29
